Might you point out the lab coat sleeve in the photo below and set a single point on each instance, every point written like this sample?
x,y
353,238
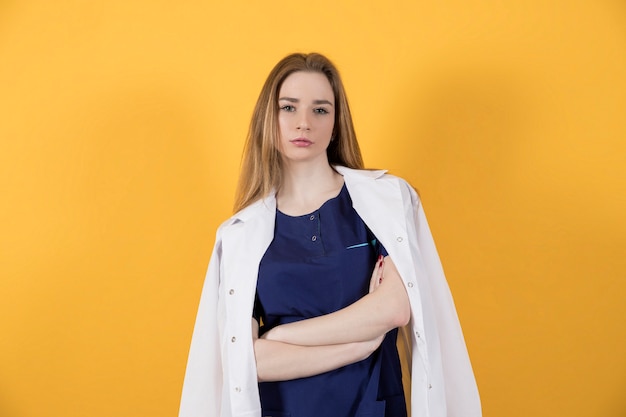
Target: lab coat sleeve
x,y
461,392
202,388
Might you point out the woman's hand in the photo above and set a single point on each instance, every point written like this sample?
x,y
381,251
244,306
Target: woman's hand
x,y
377,274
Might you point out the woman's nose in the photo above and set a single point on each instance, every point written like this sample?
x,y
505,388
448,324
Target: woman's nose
x,y
303,123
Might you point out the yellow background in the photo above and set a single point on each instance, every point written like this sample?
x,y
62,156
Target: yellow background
x,y
121,127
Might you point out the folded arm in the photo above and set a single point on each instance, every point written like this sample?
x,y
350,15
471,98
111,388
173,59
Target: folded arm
x,y
368,318
278,361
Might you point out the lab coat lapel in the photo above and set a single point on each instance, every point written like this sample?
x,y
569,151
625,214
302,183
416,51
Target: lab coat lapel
x,y
244,243
377,203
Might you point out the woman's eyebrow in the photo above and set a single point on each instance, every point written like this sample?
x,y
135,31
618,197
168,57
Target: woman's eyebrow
x,y
297,100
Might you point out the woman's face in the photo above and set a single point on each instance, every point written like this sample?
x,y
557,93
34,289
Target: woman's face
x,y
306,116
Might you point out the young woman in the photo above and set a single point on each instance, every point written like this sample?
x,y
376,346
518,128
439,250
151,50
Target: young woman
x,y
311,278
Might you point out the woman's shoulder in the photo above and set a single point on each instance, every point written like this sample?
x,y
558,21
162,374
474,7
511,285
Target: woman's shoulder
x,y
262,209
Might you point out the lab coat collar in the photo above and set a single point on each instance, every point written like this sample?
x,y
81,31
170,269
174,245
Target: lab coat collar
x,y
358,174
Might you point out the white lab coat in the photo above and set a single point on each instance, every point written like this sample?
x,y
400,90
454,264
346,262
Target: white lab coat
x,y
221,378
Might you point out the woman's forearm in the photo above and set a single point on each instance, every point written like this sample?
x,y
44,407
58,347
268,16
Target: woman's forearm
x,y
373,315
278,361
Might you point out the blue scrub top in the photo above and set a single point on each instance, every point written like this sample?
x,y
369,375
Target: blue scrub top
x,y
319,263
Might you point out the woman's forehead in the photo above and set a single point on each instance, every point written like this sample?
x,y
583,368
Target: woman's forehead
x,y
307,85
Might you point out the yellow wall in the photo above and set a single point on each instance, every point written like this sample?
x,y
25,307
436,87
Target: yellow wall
x,y
121,126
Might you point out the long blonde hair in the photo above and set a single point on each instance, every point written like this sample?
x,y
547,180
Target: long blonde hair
x,y
261,167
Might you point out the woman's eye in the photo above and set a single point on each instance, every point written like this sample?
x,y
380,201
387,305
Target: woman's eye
x,y
321,110
288,107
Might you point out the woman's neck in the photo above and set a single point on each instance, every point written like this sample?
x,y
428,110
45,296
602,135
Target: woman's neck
x,y
305,187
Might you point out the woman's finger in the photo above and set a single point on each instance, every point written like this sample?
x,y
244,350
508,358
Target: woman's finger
x,y
377,274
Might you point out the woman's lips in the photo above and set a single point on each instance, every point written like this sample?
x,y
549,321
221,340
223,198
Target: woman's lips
x,y
301,142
